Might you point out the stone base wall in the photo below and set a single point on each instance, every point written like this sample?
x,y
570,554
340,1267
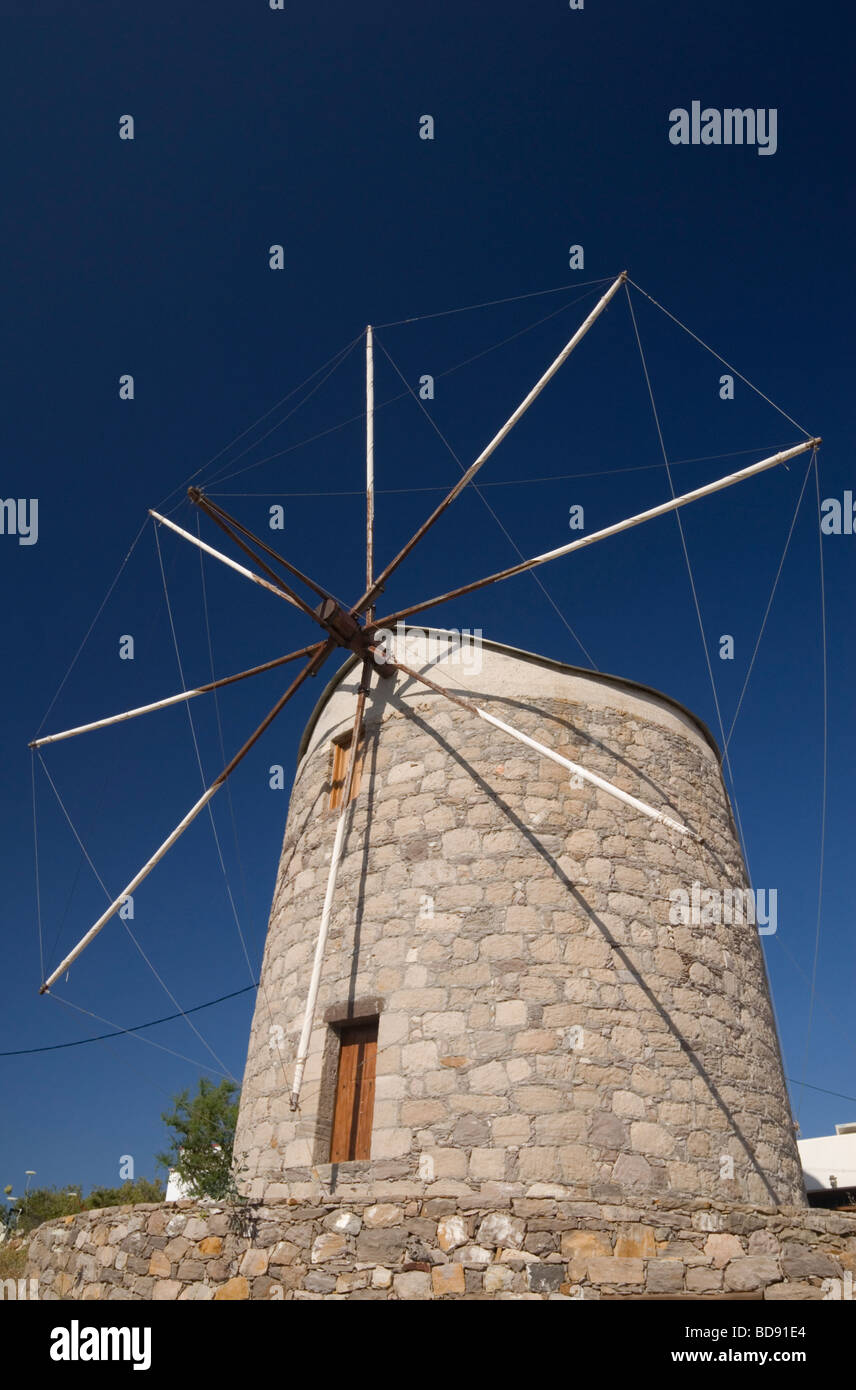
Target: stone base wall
x,y
553,1244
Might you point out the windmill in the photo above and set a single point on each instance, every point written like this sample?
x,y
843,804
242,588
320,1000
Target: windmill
x,y
356,629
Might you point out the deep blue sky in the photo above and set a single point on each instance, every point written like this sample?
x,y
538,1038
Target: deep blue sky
x,y
300,127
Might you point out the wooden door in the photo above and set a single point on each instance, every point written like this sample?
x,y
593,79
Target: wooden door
x,y
355,1088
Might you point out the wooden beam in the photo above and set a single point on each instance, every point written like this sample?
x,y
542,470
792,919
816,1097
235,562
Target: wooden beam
x,y
672,505
376,587
176,699
309,670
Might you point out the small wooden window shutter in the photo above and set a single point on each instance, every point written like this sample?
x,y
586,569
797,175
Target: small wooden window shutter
x,y
355,1089
341,751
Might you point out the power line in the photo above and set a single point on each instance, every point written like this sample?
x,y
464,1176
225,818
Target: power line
x,y
138,1028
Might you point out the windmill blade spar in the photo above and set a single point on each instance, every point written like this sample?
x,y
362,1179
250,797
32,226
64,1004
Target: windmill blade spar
x,y
377,586
176,699
672,505
309,670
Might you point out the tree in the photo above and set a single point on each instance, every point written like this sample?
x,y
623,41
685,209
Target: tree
x,y
203,1136
47,1203
136,1190
44,1204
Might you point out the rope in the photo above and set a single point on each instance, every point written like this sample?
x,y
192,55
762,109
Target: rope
x,y
275,406
91,626
109,897
196,744
709,349
481,496
822,1089
502,482
769,603
38,879
232,813
489,303
438,376
696,604
317,387
825,773
151,1042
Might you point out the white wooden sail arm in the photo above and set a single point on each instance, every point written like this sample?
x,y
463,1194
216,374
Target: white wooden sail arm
x,y
225,559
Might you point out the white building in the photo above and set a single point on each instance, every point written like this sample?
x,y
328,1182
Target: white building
x,y
830,1160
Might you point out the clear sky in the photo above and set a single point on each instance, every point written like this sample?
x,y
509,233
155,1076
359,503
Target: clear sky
x,y
301,127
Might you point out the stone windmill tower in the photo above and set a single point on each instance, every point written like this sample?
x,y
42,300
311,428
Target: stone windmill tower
x,y
507,998
474,972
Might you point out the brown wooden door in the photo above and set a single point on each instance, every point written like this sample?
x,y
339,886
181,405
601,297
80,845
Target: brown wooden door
x,y
355,1088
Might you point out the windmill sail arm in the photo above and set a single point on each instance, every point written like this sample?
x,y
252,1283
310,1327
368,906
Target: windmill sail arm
x,y
376,587
332,876
176,699
601,782
309,669
225,559
672,505
236,530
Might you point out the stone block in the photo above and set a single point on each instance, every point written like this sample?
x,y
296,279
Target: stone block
x,y
511,1013
330,1246
345,1222
382,1214
751,1272
720,1248
501,1229
165,1290
665,1276
451,1233
448,1279
648,1138
487,1165
544,1278
384,1246
233,1290
414,1284
794,1290
391,1143
616,1272
160,1267
254,1263
636,1242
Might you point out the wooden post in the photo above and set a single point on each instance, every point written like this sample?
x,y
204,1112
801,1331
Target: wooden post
x,y
369,463
335,858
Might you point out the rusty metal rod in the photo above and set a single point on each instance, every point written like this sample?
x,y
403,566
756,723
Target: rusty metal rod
x,y
309,670
212,507
176,699
672,505
204,505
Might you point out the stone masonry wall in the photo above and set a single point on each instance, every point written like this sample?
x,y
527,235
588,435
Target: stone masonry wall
x,y
579,1245
541,1019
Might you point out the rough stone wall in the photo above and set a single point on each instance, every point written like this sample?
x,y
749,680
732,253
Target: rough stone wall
x,y
574,1245
541,1020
